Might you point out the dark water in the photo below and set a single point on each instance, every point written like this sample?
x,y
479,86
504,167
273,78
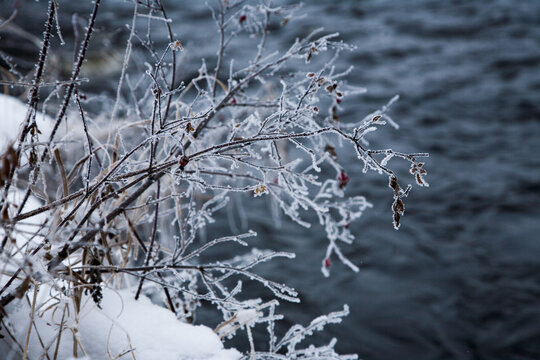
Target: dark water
x,y
461,279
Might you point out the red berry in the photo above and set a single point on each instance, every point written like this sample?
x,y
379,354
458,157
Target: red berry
x,y
327,263
343,179
338,101
242,18
233,101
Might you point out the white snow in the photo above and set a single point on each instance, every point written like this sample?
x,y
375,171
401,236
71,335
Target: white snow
x,y
122,326
13,114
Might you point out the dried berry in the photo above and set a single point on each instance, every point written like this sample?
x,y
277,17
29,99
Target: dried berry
x,y
242,18
343,179
327,263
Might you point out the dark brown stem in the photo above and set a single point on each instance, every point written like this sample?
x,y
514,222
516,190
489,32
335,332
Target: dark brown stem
x,y
152,241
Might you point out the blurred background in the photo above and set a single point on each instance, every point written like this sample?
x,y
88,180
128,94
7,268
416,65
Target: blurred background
x,y
461,278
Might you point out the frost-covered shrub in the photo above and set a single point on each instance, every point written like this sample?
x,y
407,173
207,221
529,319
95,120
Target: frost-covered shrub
x,y
113,204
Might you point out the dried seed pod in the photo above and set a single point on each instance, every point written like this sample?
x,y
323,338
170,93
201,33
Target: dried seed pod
x,y
397,217
331,88
398,206
309,55
393,184
260,190
335,116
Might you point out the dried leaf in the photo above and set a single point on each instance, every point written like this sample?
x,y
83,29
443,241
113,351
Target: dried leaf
x,y
189,128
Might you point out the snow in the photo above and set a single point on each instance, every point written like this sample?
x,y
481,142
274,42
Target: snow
x,y
13,115
122,326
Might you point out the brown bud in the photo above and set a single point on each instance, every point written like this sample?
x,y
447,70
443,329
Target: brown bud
x,y
331,150
335,116
184,160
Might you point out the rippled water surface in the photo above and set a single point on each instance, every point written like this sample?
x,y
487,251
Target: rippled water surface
x,y
461,279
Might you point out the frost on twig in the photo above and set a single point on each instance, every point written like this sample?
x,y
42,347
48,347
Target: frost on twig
x,y
133,207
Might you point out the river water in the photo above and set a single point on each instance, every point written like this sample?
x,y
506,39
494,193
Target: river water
x,y
461,278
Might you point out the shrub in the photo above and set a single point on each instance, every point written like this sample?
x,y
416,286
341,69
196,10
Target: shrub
x,y
119,199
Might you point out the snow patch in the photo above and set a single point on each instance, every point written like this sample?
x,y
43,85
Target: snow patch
x,y
121,326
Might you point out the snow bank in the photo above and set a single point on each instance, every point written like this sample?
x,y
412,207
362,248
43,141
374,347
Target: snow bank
x,y
122,326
